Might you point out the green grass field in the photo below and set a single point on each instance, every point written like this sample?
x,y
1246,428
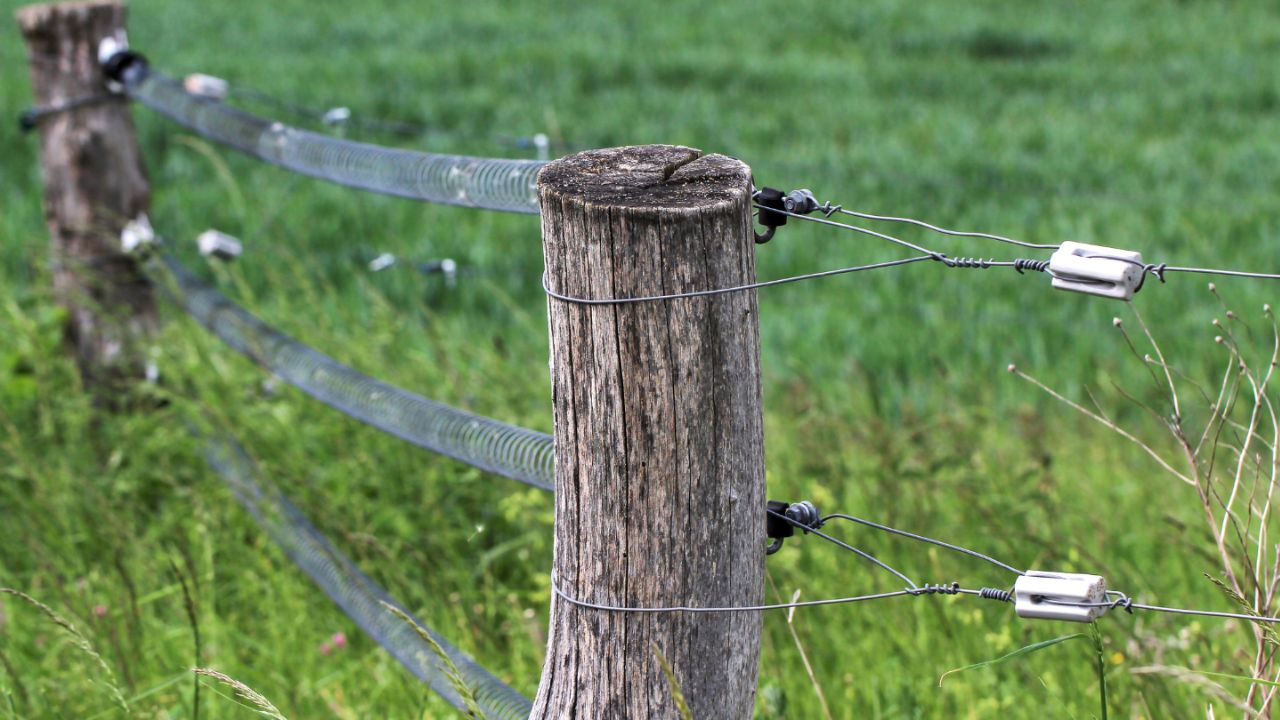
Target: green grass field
x,y
1144,125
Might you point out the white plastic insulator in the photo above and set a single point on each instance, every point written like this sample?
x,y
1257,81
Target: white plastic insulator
x,y
219,244
112,44
1040,594
206,86
1096,270
450,270
382,262
336,116
137,235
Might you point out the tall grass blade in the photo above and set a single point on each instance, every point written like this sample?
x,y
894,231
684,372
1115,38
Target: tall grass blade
x,y
193,619
1268,630
677,695
78,640
259,702
451,671
1102,668
1020,652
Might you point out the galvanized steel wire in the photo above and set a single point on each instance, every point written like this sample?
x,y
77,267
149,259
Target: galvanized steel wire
x,y
488,444
356,593
488,183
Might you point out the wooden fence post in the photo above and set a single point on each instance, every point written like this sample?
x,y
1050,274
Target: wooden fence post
x,y
94,183
658,434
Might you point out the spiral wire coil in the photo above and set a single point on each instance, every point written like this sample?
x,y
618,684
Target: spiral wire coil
x,y
488,183
488,444
357,594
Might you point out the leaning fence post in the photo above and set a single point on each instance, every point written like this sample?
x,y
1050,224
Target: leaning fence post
x,y
659,438
94,183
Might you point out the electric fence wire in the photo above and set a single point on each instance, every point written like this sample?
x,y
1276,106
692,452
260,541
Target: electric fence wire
x,y
1119,599
605,607
1020,264
357,594
736,288
316,374
488,444
841,544
830,209
920,538
912,589
488,183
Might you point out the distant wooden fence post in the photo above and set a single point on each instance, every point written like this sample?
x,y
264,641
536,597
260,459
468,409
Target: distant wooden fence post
x,y
658,434
94,182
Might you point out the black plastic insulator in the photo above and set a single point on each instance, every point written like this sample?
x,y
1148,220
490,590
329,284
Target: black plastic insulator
x,y
770,200
777,527
29,119
125,66
805,514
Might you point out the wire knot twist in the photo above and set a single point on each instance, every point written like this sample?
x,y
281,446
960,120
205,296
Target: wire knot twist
x,y
938,589
1022,264
995,594
1123,601
965,262
1156,269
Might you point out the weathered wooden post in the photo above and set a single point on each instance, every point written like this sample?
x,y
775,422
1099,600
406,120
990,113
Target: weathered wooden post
x,y
94,183
659,438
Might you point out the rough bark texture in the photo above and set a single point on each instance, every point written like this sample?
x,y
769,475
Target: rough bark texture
x,y
659,438
94,183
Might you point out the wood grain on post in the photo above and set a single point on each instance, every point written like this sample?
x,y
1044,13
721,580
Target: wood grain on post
x,y
658,434
94,183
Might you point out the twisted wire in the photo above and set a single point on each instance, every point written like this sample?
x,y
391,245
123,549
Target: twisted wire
x,y
507,450
1023,264
937,589
355,593
967,262
489,183
996,594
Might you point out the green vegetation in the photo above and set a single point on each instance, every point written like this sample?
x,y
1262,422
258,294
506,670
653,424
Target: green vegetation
x,y
1136,124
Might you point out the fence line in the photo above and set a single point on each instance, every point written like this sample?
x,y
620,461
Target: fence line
x,y
477,182
517,453
487,183
356,593
497,447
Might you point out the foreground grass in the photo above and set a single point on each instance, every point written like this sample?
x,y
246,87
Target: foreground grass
x,y
1108,122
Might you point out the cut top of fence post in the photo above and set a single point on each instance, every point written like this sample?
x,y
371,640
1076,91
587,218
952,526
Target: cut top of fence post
x,y
657,177
52,27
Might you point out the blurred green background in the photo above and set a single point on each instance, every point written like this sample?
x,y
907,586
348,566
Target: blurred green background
x,y
1140,125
